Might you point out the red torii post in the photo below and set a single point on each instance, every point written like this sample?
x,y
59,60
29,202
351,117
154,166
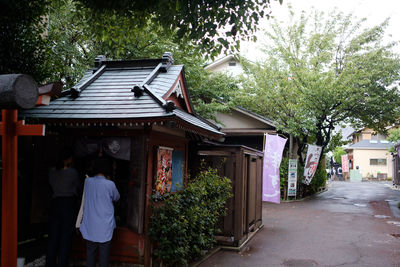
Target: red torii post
x,y
16,91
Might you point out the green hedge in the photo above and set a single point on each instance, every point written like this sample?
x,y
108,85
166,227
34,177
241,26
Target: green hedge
x,y
318,181
183,226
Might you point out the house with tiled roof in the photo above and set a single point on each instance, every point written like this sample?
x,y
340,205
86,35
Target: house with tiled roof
x,y
229,64
132,112
242,126
369,152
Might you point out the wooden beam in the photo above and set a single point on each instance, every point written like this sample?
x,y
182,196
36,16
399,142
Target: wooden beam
x,y
28,130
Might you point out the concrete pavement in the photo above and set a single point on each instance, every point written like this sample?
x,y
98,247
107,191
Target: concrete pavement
x,y
351,224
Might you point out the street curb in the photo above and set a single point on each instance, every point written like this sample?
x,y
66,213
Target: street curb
x,y
227,248
307,197
205,257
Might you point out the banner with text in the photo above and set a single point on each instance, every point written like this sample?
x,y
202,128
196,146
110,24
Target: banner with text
x,y
313,154
273,150
345,163
292,178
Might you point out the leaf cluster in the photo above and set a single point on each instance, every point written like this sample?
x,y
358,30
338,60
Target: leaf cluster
x,y
337,154
23,47
318,181
212,25
394,136
183,226
58,41
322,71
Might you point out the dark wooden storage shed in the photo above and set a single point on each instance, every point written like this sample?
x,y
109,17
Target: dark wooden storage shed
x,y
243,166
132,111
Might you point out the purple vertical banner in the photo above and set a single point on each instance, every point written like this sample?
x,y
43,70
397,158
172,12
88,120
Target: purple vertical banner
x,y
273,150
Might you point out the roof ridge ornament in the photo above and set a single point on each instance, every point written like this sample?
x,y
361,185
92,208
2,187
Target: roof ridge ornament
x,y
167,61
98,61
169,106
76,90
139,89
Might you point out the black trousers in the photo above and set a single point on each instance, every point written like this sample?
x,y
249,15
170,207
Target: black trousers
x,y
91,253
62,222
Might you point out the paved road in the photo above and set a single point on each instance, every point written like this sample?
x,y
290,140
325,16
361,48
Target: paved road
x,y
351,224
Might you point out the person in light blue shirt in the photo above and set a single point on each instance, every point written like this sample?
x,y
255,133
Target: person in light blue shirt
x,y
98,213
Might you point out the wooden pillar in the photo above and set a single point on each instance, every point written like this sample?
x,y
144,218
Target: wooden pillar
x,y
16,91
10,190
10,129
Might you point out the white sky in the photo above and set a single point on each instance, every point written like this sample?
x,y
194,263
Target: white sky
x,y
376,11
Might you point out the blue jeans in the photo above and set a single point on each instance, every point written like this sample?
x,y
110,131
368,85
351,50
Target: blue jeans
x,y
91,253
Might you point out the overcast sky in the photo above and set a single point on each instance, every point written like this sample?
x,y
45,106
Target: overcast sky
x,y
376,11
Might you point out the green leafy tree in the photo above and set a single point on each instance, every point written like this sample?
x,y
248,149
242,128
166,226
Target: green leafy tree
x,y
322,71
337,154
61,39
394,136
23,48
32,32
212,25
76,46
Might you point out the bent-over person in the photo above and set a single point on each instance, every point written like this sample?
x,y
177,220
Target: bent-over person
x,y
98,213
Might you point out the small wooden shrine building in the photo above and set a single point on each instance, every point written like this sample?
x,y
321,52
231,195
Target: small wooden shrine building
x,y
135,112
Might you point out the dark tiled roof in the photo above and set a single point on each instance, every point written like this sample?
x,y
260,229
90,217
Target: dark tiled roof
x,y
265,119
372,144
108,95
164,81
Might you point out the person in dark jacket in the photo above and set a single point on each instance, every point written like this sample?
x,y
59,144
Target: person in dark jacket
x,y
64,181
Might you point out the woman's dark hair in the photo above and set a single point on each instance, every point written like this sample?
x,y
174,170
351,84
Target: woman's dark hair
x,y
64,155
102,165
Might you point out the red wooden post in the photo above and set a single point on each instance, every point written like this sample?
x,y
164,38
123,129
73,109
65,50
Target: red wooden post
x,y
16,91
9,192
10,129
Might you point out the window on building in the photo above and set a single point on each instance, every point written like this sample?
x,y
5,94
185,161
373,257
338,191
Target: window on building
x,y
381,162
232,63
378,137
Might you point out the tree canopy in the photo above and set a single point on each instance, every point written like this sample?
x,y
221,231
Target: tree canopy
x,y
58,40
321,71
211,24
337,154
22,46
123,28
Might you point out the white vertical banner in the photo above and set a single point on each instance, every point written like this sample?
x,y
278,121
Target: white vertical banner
x,y
273,150
292,178
313,154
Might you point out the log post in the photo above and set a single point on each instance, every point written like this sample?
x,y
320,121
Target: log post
x,y
17,91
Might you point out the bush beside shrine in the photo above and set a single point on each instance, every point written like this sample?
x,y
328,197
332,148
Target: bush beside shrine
x,y
184,224
303,190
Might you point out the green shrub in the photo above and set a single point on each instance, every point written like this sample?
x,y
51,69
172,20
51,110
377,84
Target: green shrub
x,y
183,226
319,179
283,173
